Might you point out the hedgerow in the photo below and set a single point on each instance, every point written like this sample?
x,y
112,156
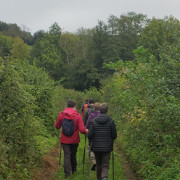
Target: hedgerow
x,y
30,102
144,101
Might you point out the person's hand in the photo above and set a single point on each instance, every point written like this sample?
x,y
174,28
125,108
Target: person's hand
x,y
87,130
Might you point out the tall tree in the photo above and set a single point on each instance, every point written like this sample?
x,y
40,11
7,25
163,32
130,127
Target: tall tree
x,y
159,33
100,39
46,52
69,44
20,49
6,44
125,32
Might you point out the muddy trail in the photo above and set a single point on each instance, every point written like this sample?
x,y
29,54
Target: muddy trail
x,y
51,166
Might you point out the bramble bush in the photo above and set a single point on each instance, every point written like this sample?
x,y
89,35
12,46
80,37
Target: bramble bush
x,y
144,101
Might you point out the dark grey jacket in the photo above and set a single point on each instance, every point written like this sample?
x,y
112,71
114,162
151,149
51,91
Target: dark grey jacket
x,y
102,133
87,112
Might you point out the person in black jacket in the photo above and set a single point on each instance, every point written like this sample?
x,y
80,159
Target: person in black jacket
x,y
102,134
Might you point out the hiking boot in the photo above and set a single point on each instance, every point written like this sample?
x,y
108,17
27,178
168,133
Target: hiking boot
x,y
67,176
73,170
105,178
93,167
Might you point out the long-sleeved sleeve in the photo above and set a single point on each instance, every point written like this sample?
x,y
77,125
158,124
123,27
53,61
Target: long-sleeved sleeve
x,y
85,117
114,132
90,132
58,123
82,108
81,125
88,123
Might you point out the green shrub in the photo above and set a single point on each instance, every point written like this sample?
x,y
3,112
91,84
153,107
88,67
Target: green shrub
x,y
144,101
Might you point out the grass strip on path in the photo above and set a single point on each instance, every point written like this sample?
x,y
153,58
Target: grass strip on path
x,y
91,175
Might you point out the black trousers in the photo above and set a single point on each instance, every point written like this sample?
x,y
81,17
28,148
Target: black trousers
x,y
70,159
102,164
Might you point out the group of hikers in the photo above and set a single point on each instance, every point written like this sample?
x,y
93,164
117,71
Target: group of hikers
x,y
97,126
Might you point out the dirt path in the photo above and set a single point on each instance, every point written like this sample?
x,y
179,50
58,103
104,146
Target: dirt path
x,y
50,166
130,175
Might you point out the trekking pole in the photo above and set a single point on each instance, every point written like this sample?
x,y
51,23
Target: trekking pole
x,y
113,163
89,147
84,154
60,155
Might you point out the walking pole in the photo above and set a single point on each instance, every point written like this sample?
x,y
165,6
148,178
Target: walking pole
x,y
84,154
113,163
60,155
89,147
60,152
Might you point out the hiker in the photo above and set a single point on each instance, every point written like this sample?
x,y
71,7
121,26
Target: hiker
x,y
85,106
89,121
102,133
88,111
71,122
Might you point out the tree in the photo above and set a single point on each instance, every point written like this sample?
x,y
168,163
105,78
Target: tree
x,y
19,49
46,52
81,76
15,31
125,32
6,44
69,44
159,33
100,39
85,44
38,36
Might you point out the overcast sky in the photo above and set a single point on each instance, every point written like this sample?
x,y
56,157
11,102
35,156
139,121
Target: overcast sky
x,y
73,14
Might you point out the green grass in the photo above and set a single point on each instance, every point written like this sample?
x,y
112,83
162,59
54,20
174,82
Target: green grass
x,y
91,175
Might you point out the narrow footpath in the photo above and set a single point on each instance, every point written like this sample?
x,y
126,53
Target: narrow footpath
x,y
130,175
51,166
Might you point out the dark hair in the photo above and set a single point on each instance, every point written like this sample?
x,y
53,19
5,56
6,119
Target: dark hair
x,y
71,103
91,101
86,100
103,108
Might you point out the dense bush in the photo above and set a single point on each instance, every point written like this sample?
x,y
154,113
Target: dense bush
x,y
16,123
30,103
144,101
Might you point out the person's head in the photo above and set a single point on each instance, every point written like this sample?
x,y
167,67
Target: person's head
x,y
86,100
97,106
91,101
71,103
103,108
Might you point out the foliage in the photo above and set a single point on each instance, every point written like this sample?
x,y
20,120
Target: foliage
x,y
16,122
159,33
14,30
143,94
30,105
144,101
124,35
19,49
6,44
76,60
95,94
46,52
69,43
